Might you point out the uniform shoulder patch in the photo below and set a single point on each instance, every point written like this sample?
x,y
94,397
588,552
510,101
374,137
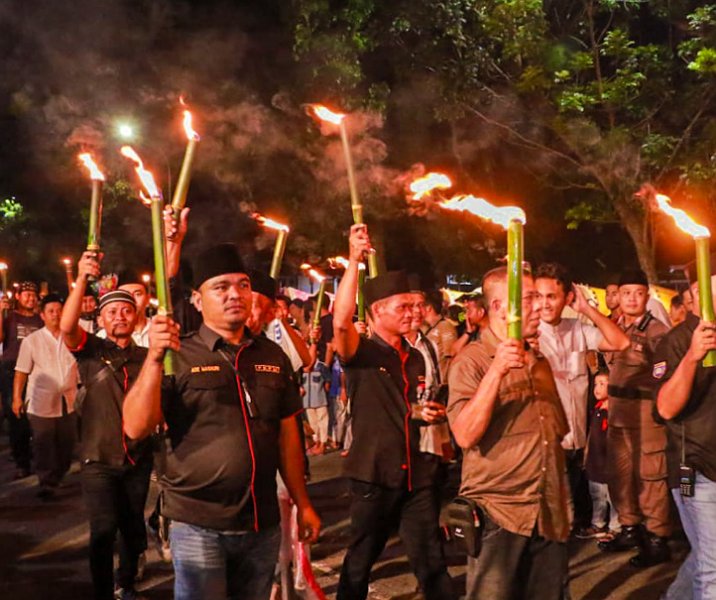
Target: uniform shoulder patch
x,y
659,370
268,369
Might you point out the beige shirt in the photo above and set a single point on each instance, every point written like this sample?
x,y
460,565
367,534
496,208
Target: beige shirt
x,y
52,373
517,470
443,334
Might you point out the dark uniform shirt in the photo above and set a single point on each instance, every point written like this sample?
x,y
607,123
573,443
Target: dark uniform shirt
x,y
382,384
107,372
698,418
16,328
595,462
223,431
631,386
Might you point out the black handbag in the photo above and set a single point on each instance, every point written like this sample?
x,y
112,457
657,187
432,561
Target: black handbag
x,y
465,521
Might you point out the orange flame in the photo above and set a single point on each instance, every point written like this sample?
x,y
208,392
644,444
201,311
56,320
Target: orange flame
x,y
681,218
338,261
315,275
325,114
92,167
270,223
67,262
426,184
501,215
145,176
190,133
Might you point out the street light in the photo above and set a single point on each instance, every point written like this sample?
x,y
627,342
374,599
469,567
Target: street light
x,y
126,131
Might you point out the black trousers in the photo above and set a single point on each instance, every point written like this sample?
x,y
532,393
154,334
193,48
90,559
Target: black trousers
x,y
53,441
517,567
579,488
115,499
376,512
18,428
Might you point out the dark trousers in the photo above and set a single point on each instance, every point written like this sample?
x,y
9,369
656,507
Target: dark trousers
x,y
53,441
19,428
516,567
376,512
579,487
115,499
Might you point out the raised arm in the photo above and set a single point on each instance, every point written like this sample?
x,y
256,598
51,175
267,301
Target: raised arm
x,y
345,336
674,394
142,410
473,420
613,338
87,266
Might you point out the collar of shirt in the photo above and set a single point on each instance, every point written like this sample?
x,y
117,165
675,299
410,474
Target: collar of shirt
x,y
214,341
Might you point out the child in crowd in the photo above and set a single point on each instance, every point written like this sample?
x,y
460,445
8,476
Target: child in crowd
x,y
596,467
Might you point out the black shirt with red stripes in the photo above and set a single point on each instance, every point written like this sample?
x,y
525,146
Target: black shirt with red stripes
x,y
107,372
382,385
223,408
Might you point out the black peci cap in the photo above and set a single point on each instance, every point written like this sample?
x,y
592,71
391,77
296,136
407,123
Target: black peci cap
x,y
633,277
217,260
263,283
386,285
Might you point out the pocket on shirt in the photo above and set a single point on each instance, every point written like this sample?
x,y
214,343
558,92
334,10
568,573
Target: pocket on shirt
x,y
577,364
267,394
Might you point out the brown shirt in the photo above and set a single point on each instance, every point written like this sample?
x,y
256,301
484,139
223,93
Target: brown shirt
x,y
516,472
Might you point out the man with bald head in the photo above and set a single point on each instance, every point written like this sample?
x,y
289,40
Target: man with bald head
x,y
505,413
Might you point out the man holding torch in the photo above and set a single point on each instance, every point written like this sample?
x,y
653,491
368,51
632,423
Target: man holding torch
x,y
230,413
115,470
506,415
392,481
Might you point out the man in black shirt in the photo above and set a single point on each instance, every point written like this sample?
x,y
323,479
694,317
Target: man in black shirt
x,y
391,480
686,400
115,471
230,412
19,323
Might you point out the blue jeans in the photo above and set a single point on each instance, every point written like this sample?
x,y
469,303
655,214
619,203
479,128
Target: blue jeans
x,y
697,576
211,565
601,503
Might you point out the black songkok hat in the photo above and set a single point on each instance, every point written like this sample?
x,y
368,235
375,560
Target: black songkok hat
x,y
117,296
217,260
633,277
263,283
49,299
28,286
386,285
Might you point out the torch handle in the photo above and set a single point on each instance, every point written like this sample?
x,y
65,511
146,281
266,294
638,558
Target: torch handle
x,y
182,187
361,297
278,251
514,279
706,304
319,304
160,275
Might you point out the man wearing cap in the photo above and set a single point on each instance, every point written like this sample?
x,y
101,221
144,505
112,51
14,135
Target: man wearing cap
x,y
505,412
48,369
391,479
636,444
135,286
115,470
14,328
230,411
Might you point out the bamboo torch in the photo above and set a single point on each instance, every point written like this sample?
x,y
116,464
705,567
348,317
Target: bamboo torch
x,y
321,279
280,245
95,216
160,272
360,299
182,186
68,274
338,119
702,240
512,219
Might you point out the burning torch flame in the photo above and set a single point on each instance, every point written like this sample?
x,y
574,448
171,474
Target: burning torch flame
x,y
501,215
270,223
338,261
3,266
315,275
325,114
67,262
145,176
683,221
432,181
190,133
92,167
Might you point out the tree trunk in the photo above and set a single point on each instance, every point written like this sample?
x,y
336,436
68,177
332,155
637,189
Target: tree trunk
x,y
636,222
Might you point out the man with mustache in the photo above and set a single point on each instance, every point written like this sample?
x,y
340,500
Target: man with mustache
x,y
230,413
115,471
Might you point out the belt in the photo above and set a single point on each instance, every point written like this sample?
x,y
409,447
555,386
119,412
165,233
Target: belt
x,y
630,393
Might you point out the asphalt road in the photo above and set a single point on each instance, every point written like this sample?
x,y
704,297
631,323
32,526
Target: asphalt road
x,y
43,548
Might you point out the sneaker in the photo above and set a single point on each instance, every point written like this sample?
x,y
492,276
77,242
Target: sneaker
x,y
127,594
654,551
591,532
629,537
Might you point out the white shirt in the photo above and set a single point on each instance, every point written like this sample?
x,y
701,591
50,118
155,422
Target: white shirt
x,y
52,373
140,338
276,332
565,347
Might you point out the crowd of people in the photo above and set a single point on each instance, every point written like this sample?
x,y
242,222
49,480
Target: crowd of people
x,y
593,426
